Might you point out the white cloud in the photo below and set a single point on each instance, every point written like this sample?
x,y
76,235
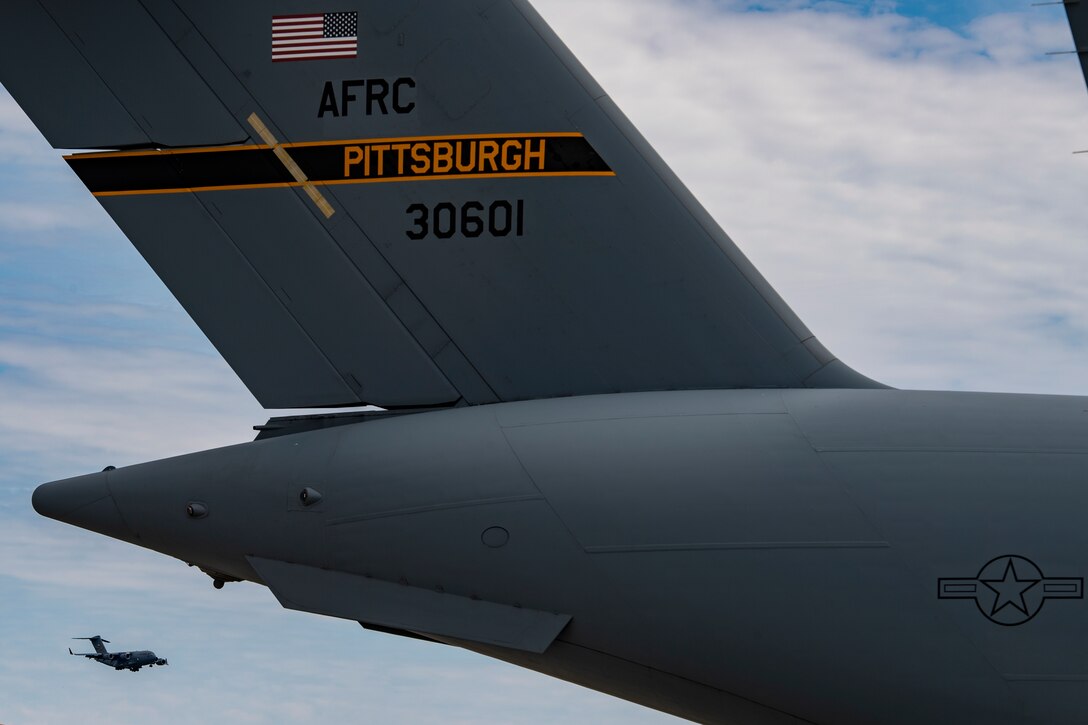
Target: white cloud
x,y
125,404
61,561
39,216
910,192
40,194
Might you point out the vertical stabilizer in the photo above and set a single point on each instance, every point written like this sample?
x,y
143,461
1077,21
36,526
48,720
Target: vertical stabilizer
x,y
408,204
96,642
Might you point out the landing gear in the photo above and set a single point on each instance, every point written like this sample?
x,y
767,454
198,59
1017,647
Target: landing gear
x,y
218,577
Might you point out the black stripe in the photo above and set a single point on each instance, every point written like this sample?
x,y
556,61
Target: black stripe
x,y
252,166
152,172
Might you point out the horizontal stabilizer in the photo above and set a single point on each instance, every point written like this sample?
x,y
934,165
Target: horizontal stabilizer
x,y
408,608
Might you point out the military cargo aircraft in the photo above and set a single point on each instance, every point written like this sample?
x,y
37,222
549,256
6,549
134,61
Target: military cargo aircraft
x,y
609,450
119,660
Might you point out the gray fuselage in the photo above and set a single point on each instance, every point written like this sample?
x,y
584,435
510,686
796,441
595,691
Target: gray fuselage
x,y
129,660
726,556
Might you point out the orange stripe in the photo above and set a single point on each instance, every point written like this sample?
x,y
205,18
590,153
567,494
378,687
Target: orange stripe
x,y
306,144
442,177
340,182
458,137
143,192
166,152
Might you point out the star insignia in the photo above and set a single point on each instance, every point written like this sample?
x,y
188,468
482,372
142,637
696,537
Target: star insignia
x,y
1010,590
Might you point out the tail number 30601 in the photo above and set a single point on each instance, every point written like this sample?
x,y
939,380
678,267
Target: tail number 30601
x,y
471,220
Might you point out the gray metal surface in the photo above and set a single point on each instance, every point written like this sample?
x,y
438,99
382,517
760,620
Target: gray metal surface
x,y
728,556
86,114
280,300
614,283
410,608
95,79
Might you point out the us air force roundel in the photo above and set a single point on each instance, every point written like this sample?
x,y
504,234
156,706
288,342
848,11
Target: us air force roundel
x,y
1010,590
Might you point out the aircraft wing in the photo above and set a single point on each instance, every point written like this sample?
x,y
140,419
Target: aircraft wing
x,y
422,203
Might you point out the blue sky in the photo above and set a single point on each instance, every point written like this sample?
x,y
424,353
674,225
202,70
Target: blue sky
x,y
953,15
908,187
956,15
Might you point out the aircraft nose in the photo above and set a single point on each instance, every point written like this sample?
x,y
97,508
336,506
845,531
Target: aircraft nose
x,y
84,501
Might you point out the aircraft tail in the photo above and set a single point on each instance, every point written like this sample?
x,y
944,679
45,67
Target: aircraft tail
x,y
96,642
411,204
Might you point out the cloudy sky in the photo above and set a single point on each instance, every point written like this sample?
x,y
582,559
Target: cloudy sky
x,y
902,172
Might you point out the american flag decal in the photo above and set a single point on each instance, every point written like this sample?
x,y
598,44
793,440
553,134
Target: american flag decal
x,y
315,36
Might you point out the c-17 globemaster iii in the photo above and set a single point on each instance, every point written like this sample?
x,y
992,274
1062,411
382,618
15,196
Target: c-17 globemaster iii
x,y
610,451
119,660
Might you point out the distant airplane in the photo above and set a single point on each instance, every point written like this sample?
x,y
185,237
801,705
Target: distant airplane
x,y
118,660
610,451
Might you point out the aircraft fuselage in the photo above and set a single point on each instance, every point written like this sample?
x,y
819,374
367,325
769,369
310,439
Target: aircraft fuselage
x,y
770,556
129,660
